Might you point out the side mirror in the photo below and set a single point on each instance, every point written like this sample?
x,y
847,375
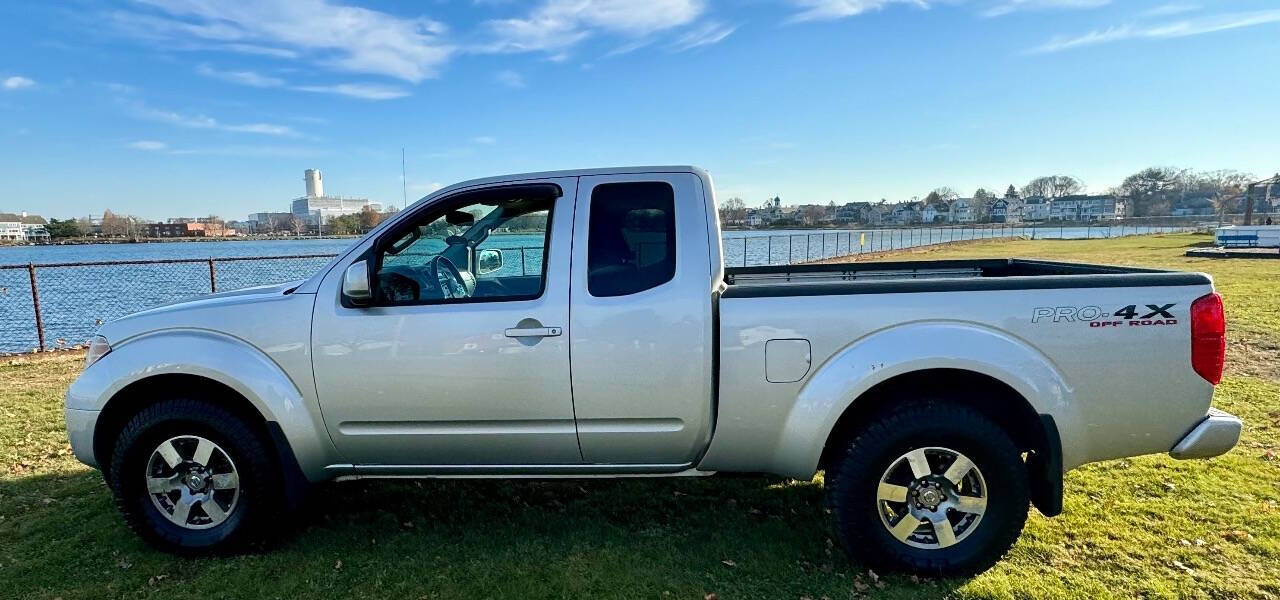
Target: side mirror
x,y
488,261
355,284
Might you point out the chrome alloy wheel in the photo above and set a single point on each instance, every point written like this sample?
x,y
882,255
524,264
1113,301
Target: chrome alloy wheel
x,y
931,498
192,481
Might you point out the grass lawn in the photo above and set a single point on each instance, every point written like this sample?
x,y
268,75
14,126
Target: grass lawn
x,y
1145,527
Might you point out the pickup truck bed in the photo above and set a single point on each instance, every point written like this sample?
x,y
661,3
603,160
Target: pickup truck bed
x,y
941,276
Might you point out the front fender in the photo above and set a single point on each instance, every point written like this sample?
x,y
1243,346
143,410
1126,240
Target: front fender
x,y
222,358
899,350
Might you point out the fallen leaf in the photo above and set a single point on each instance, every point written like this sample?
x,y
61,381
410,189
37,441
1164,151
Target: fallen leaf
x,y
338,565
710,596
1184,568
1236,535
728,563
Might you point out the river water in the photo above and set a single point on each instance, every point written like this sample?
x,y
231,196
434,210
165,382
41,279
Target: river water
x,y
75,299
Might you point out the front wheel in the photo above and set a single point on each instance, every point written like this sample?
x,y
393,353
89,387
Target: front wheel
x,y
191,477
929,487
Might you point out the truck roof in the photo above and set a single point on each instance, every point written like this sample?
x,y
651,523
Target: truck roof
x,y
570,173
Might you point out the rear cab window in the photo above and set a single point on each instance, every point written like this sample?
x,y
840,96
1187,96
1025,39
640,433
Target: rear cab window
x,y
631,243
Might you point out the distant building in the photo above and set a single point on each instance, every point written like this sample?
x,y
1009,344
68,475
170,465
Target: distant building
x,y
188,229
962,211
266,222
316,209
22,227
11,231
1035,209
1193,206
936,213
1006,210
1083,208
35,232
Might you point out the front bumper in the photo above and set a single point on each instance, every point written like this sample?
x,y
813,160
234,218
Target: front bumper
x,y
80,424
1215,435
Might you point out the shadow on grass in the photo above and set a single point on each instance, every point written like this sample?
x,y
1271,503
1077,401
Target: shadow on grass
x,y
739,537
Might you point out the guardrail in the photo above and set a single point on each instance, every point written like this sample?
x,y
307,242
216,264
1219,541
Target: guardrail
x,y
46,306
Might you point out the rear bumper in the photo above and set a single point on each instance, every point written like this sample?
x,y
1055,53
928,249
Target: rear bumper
x,y
1215,435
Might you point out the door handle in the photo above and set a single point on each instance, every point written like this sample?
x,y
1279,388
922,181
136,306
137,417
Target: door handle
x,y
531,332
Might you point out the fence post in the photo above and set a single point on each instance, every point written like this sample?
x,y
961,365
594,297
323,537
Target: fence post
x,y
744,251
213,283
769,261
35,304
789,248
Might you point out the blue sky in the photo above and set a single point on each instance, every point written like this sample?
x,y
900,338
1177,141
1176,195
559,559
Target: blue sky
x,y
179,107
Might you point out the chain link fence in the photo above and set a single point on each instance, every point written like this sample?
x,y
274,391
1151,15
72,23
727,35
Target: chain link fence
x,y
60,305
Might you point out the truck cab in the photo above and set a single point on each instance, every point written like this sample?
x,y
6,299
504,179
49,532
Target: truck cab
x,y
457,357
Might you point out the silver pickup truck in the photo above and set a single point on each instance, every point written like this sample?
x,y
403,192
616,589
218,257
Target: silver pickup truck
x,y
582,324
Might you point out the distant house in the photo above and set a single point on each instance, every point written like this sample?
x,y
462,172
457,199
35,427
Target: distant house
x,y
1035,209
21,227
962,211
936,213
1005,210
1083,208
188,229
906,213
873,215
852,212
35,232
11,231
1193,206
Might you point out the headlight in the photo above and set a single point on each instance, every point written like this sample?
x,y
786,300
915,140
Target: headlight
x,y
98,348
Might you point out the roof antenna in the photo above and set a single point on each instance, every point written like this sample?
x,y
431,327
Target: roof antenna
x,y
404,183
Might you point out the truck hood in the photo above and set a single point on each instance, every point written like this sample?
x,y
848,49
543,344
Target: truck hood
x,y
223,311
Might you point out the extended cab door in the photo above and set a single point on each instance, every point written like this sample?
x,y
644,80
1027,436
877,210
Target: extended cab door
x,y
461,359
641,322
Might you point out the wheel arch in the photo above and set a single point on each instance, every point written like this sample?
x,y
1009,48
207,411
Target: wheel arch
x,y
213,367
998,373
1033,433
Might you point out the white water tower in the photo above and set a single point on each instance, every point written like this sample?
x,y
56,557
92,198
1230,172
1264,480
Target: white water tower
x,y
315,183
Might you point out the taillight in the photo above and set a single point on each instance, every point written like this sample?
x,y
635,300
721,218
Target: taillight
x,y
1208,337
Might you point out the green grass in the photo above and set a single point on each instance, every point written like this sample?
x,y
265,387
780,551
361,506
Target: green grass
x,y
1144,527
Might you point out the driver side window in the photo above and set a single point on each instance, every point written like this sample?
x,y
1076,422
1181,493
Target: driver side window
x,y
488,248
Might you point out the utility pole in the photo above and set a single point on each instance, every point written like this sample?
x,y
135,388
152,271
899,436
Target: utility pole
x,y
404,183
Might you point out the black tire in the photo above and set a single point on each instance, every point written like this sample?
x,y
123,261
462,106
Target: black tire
x,y
855,509
259,496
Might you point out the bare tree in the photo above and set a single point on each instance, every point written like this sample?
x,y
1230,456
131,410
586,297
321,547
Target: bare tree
x,y
1152,190
298,224
1053,186
733,210
944,193
369,218
114,225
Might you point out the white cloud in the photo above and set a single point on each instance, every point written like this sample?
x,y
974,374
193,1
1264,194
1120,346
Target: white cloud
x,y
17,82
510,79
249,78
1011,6
346,38
711,32
1174,29
558,24
149,145
828,10
363,91
1168,10
484,140
142,110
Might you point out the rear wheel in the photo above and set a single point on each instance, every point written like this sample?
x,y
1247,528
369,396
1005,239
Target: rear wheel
x,y
929,487
191,477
